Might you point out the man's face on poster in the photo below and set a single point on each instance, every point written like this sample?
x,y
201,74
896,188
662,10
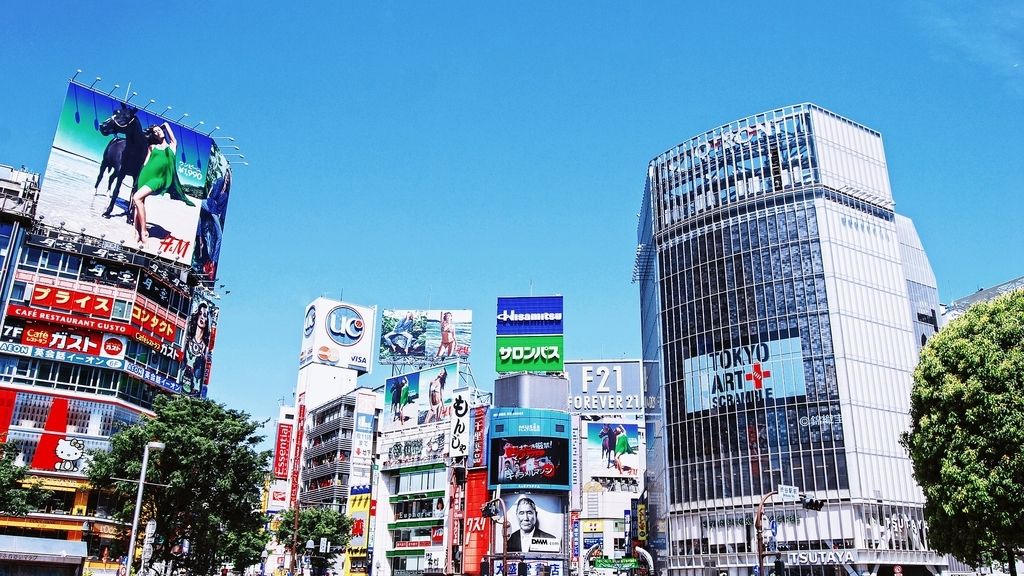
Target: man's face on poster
x,y
526,512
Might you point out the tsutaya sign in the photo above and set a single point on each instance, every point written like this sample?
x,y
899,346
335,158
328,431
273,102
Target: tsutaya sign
x,y
823,557
743,376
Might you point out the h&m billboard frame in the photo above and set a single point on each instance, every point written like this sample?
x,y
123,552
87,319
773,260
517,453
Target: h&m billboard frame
x,y
110,158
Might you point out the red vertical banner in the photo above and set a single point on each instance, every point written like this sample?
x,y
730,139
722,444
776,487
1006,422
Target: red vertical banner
x,y
478,456
478,533
56,427
300,426
282,450
7,398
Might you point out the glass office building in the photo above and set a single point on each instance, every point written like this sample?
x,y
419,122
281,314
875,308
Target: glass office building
x,y
783,304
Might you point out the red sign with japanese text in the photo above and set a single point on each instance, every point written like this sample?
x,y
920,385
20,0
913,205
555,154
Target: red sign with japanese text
x,y
93,324
72,300
84,341
282,450
478,457
154,322
477,537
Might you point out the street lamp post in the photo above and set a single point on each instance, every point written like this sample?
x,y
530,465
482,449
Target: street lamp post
x,y
760,534
86,533
138,497
489,512
309,554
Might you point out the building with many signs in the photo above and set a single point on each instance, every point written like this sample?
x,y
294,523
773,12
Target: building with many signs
x,y
325,443
102,311
420,500
607,503
783,302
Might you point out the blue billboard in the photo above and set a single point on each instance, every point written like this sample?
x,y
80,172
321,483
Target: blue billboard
x,y
529,316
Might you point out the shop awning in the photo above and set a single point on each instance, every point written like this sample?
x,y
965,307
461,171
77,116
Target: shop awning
x,y
43,550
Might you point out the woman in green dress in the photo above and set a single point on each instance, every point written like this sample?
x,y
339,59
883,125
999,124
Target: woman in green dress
x,y
158,175
621,447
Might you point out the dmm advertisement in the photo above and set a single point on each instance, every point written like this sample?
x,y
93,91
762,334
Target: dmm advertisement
x,y
745,376
537,523
128,175
420,397
410,336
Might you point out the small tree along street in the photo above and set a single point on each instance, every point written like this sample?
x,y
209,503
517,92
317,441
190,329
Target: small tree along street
x,y
314,524
967,433
209,511
16,497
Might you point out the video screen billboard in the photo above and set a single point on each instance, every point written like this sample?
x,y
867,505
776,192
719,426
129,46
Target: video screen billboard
x,y
529,448
419,397
537,523
412,336
200,337
128,175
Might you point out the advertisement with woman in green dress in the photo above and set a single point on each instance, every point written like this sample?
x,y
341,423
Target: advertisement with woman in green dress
x,y
129,176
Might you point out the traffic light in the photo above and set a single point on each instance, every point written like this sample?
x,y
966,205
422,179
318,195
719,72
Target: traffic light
x,y
490,510
811,504
780,566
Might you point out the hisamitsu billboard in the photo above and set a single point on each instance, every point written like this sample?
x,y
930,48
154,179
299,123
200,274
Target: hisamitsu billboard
x,y
529,316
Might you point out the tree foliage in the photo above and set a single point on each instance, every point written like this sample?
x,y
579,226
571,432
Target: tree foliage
x,y
967,432
314,524
16,497
209,511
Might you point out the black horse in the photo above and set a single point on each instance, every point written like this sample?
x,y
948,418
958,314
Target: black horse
x,y
124,155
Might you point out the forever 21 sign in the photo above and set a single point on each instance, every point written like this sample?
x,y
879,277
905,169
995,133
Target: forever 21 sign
x,y
604,387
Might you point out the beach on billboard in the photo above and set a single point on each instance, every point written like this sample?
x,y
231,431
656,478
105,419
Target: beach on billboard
x,y
172,227
132,177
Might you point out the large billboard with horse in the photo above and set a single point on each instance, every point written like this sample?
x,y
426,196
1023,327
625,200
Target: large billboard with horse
x,y
133,177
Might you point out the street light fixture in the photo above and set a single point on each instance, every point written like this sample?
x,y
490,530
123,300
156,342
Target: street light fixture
x,y
309,552
138,496
491,509
86,533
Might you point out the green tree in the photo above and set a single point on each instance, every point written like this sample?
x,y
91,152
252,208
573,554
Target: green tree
x,y
967,430
203,489
17,497
314,524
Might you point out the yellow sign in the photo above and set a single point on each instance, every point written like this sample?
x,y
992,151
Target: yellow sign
x,y
592,525
61,484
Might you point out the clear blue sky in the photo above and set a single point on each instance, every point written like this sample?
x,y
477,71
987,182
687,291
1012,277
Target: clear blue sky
x,y
432,154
